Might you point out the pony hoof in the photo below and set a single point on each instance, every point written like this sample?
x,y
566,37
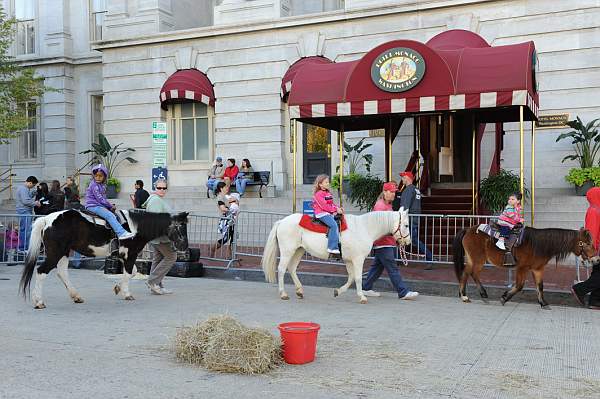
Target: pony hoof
x,y
335,292
129,298
546,307
285,297
40,305
78,299
117,289
363,301
300,295
465,299
502,301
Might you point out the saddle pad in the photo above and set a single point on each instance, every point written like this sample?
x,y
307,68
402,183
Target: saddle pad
x,y
514,239
93,219
307,223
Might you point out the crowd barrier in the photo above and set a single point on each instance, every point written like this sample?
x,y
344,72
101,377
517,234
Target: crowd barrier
x,y
251,228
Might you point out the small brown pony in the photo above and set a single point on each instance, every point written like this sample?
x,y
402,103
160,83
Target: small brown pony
x,y
536,250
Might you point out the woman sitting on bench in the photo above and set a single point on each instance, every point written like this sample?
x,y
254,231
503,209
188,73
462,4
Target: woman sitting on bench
x,y
245,176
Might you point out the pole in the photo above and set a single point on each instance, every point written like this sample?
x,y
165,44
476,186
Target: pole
x,y
294,127
521,156
389,149
473,174
532,173
418,122
341,148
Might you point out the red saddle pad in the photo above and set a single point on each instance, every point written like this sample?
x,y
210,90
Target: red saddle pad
x,y
307,223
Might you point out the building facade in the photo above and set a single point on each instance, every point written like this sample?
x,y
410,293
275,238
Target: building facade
x,y
110,59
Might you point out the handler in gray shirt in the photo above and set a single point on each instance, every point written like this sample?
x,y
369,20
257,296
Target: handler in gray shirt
x,y
24,204
410,199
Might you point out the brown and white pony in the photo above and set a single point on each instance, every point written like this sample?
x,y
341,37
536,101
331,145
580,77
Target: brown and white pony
x,y
538,247
61,232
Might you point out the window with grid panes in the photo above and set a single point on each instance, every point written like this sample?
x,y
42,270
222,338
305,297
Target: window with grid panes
x,y
191,132
97,14
27,141
25,16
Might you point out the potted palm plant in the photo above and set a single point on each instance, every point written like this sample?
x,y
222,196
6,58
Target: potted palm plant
x,y
353,159
111,156
586,143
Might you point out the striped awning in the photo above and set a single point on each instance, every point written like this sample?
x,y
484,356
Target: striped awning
x,y
415,104
187,85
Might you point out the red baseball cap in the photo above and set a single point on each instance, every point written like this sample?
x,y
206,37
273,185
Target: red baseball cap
x,y
390,186
408,174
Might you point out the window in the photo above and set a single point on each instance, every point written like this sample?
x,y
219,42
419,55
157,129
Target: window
x,y
98,11
191,128
27,141
25,16
97,119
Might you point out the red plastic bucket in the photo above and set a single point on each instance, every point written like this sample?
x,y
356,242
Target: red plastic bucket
x,y
299,341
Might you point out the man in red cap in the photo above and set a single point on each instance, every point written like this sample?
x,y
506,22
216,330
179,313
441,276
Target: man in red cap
x,y
384,249
410,199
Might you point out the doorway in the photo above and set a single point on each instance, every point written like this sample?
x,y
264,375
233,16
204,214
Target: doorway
x,y
316,152
449,148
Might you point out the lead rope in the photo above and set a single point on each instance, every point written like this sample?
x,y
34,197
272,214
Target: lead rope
x,y
403,258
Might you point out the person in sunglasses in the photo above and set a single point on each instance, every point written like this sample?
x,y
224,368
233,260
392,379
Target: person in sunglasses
x,y
164,256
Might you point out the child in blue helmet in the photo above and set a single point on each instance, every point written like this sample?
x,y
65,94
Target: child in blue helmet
x,y
96,201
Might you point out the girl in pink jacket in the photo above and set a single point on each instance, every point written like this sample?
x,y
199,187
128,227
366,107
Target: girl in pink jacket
x,y
325,209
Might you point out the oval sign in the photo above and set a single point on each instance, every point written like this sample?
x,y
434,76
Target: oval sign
x,y
398,69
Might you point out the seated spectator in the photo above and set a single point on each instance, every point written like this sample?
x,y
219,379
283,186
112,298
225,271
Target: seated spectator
x,y
245,175
11,241
140,195
71,194
57,198
231,172
215,174
43,197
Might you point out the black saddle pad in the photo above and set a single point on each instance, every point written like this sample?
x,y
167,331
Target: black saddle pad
x,y
514,239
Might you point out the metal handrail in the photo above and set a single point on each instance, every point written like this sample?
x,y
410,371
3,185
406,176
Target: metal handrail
x,y
7,175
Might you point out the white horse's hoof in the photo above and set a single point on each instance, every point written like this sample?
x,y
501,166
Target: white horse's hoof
x,y
129,298
78,299
40,305
285,297
336,292
117,289
300,295
465,299
363,301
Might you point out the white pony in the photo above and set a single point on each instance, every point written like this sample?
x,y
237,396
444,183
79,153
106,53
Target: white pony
x,y
356,241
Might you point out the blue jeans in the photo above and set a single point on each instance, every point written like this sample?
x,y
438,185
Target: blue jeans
x,y
384,258
110,218
240,185
334,235
414,236
25,222
212,184
76,261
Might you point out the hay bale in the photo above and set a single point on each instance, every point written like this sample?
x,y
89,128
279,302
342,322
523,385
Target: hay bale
x,y
223,344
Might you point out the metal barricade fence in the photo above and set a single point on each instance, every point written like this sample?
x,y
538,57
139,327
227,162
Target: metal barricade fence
x,y
203,233
14,241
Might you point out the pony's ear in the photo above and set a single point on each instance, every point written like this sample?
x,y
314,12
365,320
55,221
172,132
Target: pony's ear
x,y
182,217
401,210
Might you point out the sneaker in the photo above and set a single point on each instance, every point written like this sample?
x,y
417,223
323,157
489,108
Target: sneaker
x,y
165,291
371,293
333,251
155,289
410,295
578,298
126,236
500,244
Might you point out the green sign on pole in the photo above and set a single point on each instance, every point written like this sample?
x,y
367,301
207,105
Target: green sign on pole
x,y
159,144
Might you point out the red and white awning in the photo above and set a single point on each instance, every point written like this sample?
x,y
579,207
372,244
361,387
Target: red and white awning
x,y
414,105
187,85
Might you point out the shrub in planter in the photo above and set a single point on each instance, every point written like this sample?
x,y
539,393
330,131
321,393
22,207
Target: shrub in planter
x,y
113,187
584,179
494,190
365,190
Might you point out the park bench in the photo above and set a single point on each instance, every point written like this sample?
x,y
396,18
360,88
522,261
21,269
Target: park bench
x,y
260,178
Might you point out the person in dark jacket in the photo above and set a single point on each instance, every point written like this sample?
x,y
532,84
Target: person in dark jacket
x,y
72,194
141,195
592,224
43,197
57,198
410,198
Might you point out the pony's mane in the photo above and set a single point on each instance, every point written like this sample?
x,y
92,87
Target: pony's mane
x,y
150,224
553,243
380,218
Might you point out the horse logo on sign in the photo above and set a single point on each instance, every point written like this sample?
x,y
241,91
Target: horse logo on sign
x,y
398,69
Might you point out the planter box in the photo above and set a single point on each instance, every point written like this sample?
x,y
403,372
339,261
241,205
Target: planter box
x,y
582,190
187,269
111,192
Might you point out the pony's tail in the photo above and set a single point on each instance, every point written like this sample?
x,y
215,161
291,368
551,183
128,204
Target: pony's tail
x,y
458,253
269,259
35,244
